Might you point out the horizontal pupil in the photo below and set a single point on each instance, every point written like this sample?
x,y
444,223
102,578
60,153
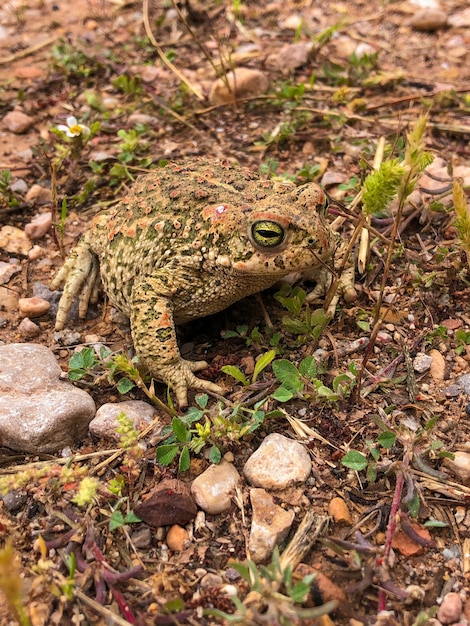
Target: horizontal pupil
x,y
268,233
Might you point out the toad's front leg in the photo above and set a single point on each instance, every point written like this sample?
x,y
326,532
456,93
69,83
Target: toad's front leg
x,y
154,336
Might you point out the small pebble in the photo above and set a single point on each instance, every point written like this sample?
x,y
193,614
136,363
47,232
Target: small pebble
x,y
38,195
339,511
428,20
450,609
17,122
422,362
39,225
33,307
28,328
177,538
19,186
438,365
35,253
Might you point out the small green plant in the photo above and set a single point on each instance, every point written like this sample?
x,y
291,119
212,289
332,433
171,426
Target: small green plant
x,y
73,62
279,596
5,192
302,321
462,337
11,583
253,338
119,519
130,85
303,382
263,361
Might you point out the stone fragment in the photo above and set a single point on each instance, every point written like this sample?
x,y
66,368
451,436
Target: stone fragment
x,y
293,55
105,423
143,118
292,22
39,412
214,488
243,82
168,504
451,608
460,466
339,511
438,365
29,72
422,362
38,195
14,240
406,545
428,20
323,588
269,527
33,307
7,270
278,463
17,122
177,538
19,186
39,225
142,538
28,329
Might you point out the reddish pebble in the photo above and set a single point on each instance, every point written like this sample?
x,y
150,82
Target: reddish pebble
x,y
28,328
39,226
450,609
33,307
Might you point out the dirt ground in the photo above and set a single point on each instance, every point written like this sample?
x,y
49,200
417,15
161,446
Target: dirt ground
x,y
363,73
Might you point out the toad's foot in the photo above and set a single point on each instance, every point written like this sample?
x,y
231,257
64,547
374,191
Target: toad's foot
x,y
180,377
80,277
344,287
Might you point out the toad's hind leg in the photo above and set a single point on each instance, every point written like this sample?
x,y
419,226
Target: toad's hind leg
x,y
80,277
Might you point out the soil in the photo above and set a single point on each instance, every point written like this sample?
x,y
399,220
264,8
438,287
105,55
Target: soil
x,y
321,120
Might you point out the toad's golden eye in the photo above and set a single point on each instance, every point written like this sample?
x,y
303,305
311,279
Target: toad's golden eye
x,y
267,234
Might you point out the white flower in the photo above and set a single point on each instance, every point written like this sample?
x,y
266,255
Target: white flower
x,y
73,128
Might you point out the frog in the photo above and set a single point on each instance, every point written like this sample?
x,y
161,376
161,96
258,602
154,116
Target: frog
x,y
188,240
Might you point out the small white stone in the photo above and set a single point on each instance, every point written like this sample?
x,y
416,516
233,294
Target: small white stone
x,y
428,20
28,328
450,609
422,362
38,195
243,82
213,489
17,122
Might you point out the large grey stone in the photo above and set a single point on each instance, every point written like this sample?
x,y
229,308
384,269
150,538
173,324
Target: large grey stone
x,y
39,412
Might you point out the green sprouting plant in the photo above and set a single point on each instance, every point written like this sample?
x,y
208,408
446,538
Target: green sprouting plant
x,y
359,462
5,191
132,145
302,321
381,187
73,62
119,519
279,596
87,491
462,217
86,364
253,338
360,67
130,85
303,382
269,168
462,337
262,363
201,426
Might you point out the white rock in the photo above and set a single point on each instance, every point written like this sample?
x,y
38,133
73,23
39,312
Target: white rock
x,y
461,19
243,82
428,20
293,55
143,118
278,463
39,412
105,423
39,225
17,122
19,186
292,22
422,362
269,527
450,609
213,489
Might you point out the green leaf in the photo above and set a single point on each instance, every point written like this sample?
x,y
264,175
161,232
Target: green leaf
x,y
365,326
166,453
236,373
413,506
308,367
282,394
287,374
318,318
296,327
387,439
215,455
185,460
435,523
76,361
76,374
354,460
131,518
125,385
179,429
202,400
371,473
229,334
89,358
300,590
116,520
263,362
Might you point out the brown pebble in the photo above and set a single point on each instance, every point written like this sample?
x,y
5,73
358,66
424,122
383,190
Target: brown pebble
x,y
39,226
17,122
177,538
33,307
438,365
339,511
